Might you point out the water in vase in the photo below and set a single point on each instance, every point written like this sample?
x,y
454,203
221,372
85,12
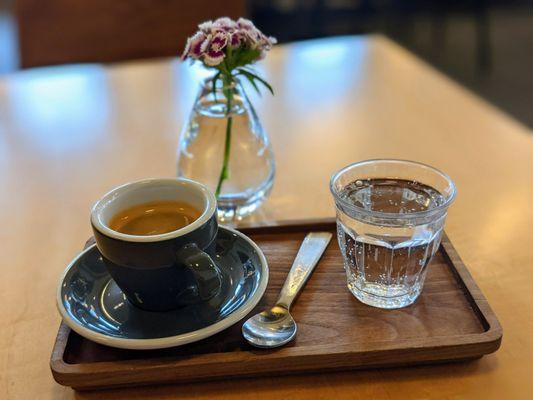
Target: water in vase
x,y
251,163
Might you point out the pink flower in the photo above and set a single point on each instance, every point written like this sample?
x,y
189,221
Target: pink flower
x,y
215,52
235,39
219,41
225,24
206,26
197,45
213,57
209,44
245,24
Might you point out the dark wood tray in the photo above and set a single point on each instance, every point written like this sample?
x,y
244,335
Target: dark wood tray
x,y
450,321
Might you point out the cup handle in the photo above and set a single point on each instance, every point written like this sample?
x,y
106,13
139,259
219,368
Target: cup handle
x,y
206,273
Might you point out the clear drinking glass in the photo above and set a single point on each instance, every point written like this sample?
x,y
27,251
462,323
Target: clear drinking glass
x,y
390,216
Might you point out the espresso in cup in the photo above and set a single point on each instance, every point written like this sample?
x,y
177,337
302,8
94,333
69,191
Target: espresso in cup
x,y
154,218
157,240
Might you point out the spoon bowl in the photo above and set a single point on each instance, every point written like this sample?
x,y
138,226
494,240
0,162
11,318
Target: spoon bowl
x,y
270,328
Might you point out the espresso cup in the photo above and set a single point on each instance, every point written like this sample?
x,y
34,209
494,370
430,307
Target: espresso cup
x,y
164,271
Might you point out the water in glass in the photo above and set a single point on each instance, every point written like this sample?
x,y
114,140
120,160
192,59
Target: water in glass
x,y
386,258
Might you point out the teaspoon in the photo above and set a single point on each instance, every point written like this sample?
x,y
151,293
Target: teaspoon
x,y
276,327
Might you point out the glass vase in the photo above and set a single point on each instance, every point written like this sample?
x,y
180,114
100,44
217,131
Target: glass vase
x,y
216,135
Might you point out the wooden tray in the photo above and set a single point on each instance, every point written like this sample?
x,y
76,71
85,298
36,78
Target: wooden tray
x,y
450,321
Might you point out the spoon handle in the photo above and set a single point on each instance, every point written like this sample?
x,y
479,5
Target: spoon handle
x,y
306,260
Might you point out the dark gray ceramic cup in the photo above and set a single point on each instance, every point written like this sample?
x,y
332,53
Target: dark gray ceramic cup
x,y
166,271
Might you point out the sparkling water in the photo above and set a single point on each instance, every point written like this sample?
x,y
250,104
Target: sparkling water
x,y
388,231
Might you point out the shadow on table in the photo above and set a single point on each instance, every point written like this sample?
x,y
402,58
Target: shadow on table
x,y
447,378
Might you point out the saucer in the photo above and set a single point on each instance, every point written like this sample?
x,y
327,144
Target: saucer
x,y
92,304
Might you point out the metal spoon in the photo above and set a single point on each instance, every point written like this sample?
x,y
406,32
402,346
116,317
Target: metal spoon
x,y
276,327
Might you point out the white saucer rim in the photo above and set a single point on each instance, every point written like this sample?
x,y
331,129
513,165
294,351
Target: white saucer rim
x,y
169,341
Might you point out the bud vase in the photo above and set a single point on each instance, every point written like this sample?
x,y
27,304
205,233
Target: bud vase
x,y
224,146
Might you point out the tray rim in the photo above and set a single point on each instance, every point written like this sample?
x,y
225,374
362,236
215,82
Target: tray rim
x,y
489,340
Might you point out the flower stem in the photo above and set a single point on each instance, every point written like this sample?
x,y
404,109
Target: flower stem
x,y
224,172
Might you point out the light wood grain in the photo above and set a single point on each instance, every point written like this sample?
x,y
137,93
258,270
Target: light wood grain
x,y
69,134
450,321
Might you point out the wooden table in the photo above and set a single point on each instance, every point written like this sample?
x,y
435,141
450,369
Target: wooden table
x,y
68,134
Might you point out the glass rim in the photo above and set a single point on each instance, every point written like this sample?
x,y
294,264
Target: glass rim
x,y
389,215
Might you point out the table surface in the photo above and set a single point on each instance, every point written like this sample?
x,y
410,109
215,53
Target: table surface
x,y
68,134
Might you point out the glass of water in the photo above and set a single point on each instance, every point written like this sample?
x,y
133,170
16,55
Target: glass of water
x,y
390,216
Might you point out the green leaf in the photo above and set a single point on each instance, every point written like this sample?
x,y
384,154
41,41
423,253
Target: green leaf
x,y
244,57
251,80
214,88
252,75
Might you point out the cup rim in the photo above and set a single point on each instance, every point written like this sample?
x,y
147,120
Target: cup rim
x,y
389,215
98,207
